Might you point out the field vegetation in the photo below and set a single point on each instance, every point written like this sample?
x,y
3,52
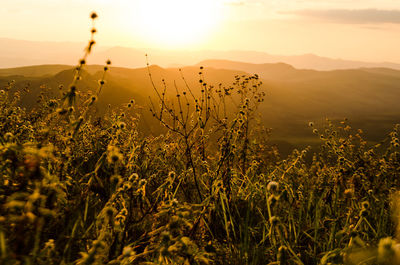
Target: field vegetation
x,y
79,185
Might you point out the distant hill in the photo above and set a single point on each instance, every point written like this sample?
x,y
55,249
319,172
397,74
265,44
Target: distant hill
x,y
35,71
14,53
273,71
368,97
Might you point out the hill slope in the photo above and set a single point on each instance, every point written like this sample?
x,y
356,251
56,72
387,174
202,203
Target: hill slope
x,y
368,97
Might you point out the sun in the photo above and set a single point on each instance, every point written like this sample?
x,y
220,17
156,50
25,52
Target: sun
x,y
177,23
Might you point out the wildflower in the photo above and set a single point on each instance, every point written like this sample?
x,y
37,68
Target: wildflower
x,y
353,233
142,182
282,255
274,220
49,244
386,251
122,125
128,251
61,111
174,202
127,186
110,211
115,158
98,244
93,15
349,193
8,137
108,62
133,177
113,155
363,212
165,237
124,212
164,252
311,124
210,248
52,103
115,179
273,186
91,43
174,223
30,217
272,199
365,204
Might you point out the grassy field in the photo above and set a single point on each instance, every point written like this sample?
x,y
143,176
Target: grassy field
x,y
77,187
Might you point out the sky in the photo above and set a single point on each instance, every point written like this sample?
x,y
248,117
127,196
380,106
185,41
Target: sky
x,y
365,30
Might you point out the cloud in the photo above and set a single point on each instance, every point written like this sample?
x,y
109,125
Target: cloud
x,y
234,3
242,3
351,16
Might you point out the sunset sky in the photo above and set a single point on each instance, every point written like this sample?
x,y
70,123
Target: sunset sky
x,y
366,30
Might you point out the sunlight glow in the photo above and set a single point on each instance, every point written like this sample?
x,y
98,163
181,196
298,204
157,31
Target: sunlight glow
x,y
175,23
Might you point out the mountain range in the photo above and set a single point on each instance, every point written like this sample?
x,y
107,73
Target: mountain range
x,y
368,97
15,53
